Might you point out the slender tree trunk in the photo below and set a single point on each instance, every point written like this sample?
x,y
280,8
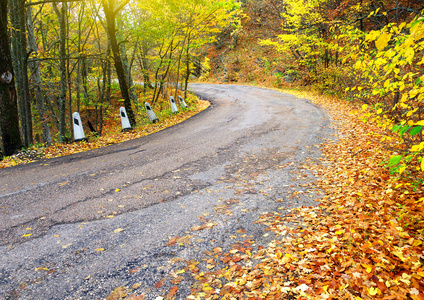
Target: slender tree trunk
x,y
127,68
143,66
120,72
108,83
186,40
62,66
178,71
19,56
68,70
36,79
127,64
188,71
10,138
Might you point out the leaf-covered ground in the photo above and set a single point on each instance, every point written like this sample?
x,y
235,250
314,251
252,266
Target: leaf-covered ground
x,y
363,241
36,153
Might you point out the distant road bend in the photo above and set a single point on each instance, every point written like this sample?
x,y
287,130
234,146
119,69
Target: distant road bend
x,y
72,227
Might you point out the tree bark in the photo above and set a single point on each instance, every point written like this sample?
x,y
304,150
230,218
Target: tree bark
x,y
36,79
110,15
19,57
10,138
126,63
62,66
188,71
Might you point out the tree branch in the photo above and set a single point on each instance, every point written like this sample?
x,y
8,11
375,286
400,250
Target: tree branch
x,y
49,1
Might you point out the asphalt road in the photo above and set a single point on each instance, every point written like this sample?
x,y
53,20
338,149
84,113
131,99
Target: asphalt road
x,y
101,219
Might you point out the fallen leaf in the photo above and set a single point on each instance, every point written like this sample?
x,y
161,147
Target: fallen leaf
x,y
158,284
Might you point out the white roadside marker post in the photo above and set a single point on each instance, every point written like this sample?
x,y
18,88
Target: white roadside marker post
x,y
173,105
182,102
150,113
124,119
78,129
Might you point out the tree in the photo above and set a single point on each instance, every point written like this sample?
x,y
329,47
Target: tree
x,y
20,62
61,14
9,120
110,12
36,78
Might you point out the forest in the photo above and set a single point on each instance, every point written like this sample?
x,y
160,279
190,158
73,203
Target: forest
x,y
60,57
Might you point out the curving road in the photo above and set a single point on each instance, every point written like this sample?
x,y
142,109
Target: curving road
x,y
101,219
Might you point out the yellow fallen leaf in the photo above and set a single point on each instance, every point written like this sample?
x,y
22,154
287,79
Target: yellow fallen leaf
x,y
26,235
338,232
136,285
399,254
368,268
373,291
117,190
41,269
100,249
118,230
404,235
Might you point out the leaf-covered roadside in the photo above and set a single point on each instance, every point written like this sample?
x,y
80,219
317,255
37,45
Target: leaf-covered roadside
x,y
34,153
364,241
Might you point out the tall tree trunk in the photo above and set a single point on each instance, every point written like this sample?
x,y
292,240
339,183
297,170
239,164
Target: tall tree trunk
x,y
125,62
36,79
188,71
20,62
107,83
143,66
62,66
10,138
127,67
186,38
110,15
68,70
